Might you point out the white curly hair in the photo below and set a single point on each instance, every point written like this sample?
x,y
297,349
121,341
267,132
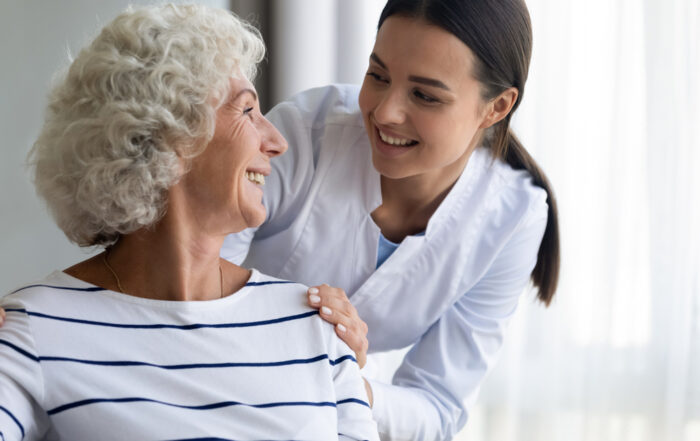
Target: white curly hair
x,y
141,96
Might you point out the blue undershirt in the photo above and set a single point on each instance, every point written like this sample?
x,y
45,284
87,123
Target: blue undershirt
x,y
386,248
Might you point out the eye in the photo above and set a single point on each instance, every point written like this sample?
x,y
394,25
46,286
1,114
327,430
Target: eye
x,y
425,98
376,77
248,111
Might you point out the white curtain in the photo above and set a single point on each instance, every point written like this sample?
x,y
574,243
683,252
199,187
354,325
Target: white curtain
x,y
611,112
318,42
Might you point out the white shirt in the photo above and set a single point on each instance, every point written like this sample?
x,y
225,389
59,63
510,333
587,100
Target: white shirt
x,y
82,363
448,293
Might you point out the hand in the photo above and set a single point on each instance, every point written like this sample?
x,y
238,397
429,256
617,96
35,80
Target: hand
x,y
335,308
2,316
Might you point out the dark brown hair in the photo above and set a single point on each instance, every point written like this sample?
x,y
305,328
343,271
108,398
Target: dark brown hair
x,y
499,33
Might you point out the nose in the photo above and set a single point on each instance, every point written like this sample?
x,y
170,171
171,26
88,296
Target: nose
x,y
390,109
273,143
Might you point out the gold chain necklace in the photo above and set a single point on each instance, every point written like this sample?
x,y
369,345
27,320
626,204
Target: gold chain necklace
x,y
119,284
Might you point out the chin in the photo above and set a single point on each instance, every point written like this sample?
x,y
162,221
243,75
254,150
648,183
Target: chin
x,y
256,218
388,169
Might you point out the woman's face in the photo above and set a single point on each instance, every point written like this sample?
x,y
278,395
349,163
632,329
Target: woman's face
x,y
229,175
422,107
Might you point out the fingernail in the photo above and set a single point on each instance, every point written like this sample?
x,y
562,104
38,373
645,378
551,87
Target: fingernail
x,y
314,299
326,310
341,328
313,290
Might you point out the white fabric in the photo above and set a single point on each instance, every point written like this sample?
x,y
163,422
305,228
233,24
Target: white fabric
x,y
175,370
449,293
611,111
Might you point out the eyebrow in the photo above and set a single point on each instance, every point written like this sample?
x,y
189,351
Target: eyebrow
x,y
414,78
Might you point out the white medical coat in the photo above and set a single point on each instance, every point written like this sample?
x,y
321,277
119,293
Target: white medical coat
x,y
448,293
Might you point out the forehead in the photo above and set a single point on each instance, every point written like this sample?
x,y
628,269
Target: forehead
x,y
423,49
238,84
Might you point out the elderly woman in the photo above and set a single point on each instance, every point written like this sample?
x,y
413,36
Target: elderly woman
x,y
155,149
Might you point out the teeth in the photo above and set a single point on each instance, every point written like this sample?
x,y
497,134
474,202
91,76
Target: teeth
x,y
392,140
257,178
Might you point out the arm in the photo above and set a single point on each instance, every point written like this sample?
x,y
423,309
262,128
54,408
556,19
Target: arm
x,y
354,414
439,379
21,381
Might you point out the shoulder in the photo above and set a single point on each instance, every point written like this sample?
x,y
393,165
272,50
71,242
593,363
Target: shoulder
x,y
46,290
513,193
277,297
280,299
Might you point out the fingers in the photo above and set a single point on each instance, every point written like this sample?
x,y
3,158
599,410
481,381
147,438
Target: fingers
x,y
2,316
335,308
358,343
332,298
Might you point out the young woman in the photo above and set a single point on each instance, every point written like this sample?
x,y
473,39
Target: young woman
x,y
413,196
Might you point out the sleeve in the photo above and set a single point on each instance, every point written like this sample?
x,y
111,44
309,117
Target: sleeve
x,y
439,379
354,414
21,380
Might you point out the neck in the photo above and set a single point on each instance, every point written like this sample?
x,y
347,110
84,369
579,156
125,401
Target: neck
x,y
161,265
409,203
175,259
172,261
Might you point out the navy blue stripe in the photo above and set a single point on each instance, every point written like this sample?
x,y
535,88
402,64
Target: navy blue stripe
x,y
352,400
67,288
18,349
342,359
202,439
342,434
219,405
217,439
21,428
97,288
199,365
167,326
269,282
220,439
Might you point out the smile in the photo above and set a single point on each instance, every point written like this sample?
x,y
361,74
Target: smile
x,y
396,141
255,177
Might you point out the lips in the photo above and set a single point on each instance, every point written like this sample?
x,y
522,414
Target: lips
x,y
396,140
257,176
390,144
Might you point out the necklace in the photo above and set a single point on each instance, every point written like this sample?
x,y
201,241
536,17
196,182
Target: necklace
x,y
111,270
119,284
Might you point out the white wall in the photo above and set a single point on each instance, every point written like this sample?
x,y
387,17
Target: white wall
x,y
35,37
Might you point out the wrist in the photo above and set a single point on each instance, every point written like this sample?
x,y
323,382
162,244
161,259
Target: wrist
x,y
368,388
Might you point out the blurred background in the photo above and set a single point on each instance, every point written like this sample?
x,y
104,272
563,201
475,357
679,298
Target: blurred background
x,y
611,112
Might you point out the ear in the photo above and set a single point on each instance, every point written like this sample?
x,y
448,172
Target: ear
x,y
499,107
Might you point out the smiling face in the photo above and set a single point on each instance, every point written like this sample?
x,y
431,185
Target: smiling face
x,y
224,184
421,105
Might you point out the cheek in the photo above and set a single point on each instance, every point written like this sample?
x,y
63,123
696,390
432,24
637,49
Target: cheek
x,y
365,99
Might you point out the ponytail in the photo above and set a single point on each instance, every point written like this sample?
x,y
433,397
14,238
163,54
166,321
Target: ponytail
x,y
506,146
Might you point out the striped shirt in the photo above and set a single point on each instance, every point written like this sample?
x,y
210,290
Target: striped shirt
x,y
78,362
